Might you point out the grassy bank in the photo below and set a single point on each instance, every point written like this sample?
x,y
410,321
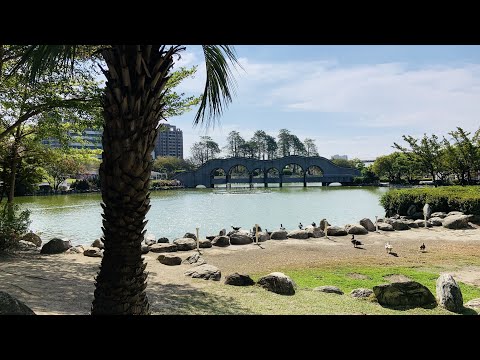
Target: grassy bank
x,y
447,198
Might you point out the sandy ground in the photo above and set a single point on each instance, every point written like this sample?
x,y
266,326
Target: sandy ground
x,y
64,283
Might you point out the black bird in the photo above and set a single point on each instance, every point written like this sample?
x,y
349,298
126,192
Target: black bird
x,y
313,224
236,228
422,247
355,242
300,226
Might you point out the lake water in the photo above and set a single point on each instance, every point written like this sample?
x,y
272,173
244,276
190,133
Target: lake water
x,y
173,213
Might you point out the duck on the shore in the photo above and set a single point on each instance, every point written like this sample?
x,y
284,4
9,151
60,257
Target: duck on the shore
x,y
355,242
388,247
281,227
300,226
422,247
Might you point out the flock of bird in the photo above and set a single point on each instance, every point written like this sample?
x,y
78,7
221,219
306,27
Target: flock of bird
x,y
355,242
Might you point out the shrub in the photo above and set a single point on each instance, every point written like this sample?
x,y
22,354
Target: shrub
x,y
13,223
446,199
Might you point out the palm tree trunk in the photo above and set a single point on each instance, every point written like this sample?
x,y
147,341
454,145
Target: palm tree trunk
x,y
133,106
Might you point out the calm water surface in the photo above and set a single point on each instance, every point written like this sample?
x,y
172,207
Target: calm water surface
x,y
78,217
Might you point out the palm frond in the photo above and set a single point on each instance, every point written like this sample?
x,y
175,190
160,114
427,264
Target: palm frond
x,y
220,83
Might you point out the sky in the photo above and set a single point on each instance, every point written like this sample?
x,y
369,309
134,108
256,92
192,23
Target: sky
x,y
352,100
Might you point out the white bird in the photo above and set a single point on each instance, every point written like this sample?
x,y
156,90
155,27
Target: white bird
x,y
388,247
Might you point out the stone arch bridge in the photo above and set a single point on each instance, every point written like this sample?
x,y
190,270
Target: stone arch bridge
x,y
259,171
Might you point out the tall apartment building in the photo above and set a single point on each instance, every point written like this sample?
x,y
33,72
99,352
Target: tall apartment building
x,y
169,141
88,139
343,157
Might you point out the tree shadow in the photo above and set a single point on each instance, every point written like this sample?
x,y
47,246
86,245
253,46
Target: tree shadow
x,y
467,311
409,307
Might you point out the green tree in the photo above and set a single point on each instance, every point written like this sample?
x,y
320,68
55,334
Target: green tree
x,y
284,142
310,147
171,165
234,141
272,146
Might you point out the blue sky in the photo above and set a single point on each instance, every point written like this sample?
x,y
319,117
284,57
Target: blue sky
x,y
354,100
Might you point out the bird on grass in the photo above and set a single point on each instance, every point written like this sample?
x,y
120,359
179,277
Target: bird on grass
x,y
236,228
388,247
300,226
422,247
355,242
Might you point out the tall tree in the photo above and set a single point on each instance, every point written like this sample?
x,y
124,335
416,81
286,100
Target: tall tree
x,y
133,105
234,141
284,142
271,146
310,147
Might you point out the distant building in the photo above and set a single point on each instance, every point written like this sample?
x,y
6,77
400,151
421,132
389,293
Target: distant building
x,y
88,139
336,156
169,141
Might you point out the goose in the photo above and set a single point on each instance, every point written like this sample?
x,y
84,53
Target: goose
x,y
355,242
300,226
236,228
281,227
422,247
388,247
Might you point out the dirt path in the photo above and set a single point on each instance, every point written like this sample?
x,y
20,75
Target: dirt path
x,y
64,283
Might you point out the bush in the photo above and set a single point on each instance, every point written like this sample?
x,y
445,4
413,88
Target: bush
x,y
13,224
446,199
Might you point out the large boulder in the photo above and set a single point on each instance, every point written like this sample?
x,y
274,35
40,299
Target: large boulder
x,y
263,236
194,259
474,219
79,249
10,305
336,231
33,238
298,234
185,244
279,235
240,238
149,239
385,227
367,224
145,249
169,259
404,294
237,279
56,246
278,282
190,236
412,224
322,224
361,293
163,240
93,252
436,221
98,243
204,243
329,289
421,223
456,222
27,246
439,214
210,237
355,229
451,213
221,241
400,225
449,294
314,231
205,271
163,248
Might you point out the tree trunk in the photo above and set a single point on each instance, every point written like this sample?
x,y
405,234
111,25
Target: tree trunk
x,y
13,169
133,106
433,178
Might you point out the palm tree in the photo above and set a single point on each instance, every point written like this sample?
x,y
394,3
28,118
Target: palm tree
x,y
133,106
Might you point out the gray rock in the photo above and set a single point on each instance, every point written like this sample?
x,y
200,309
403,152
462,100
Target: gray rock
x,y
56,246
385,227
412,209
194,259
329,289
98,243
436,221
336,231
169,259
93,252
204,243
190,236
206,272
9,305
361,293
185,244
163,240
421,223
456,222
448,293
210,237
145,249
400,225
322,224
314,231
355,229
279,235
240,238
427,211
411,223
163,248
474,219
298,234
237,279
451,213
439,214
221,241
367,224
79,249
222,232
404,294
278,282
149,239
32,238
474,303
27,245
263,236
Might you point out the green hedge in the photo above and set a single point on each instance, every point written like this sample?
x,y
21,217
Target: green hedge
x,y
448,198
